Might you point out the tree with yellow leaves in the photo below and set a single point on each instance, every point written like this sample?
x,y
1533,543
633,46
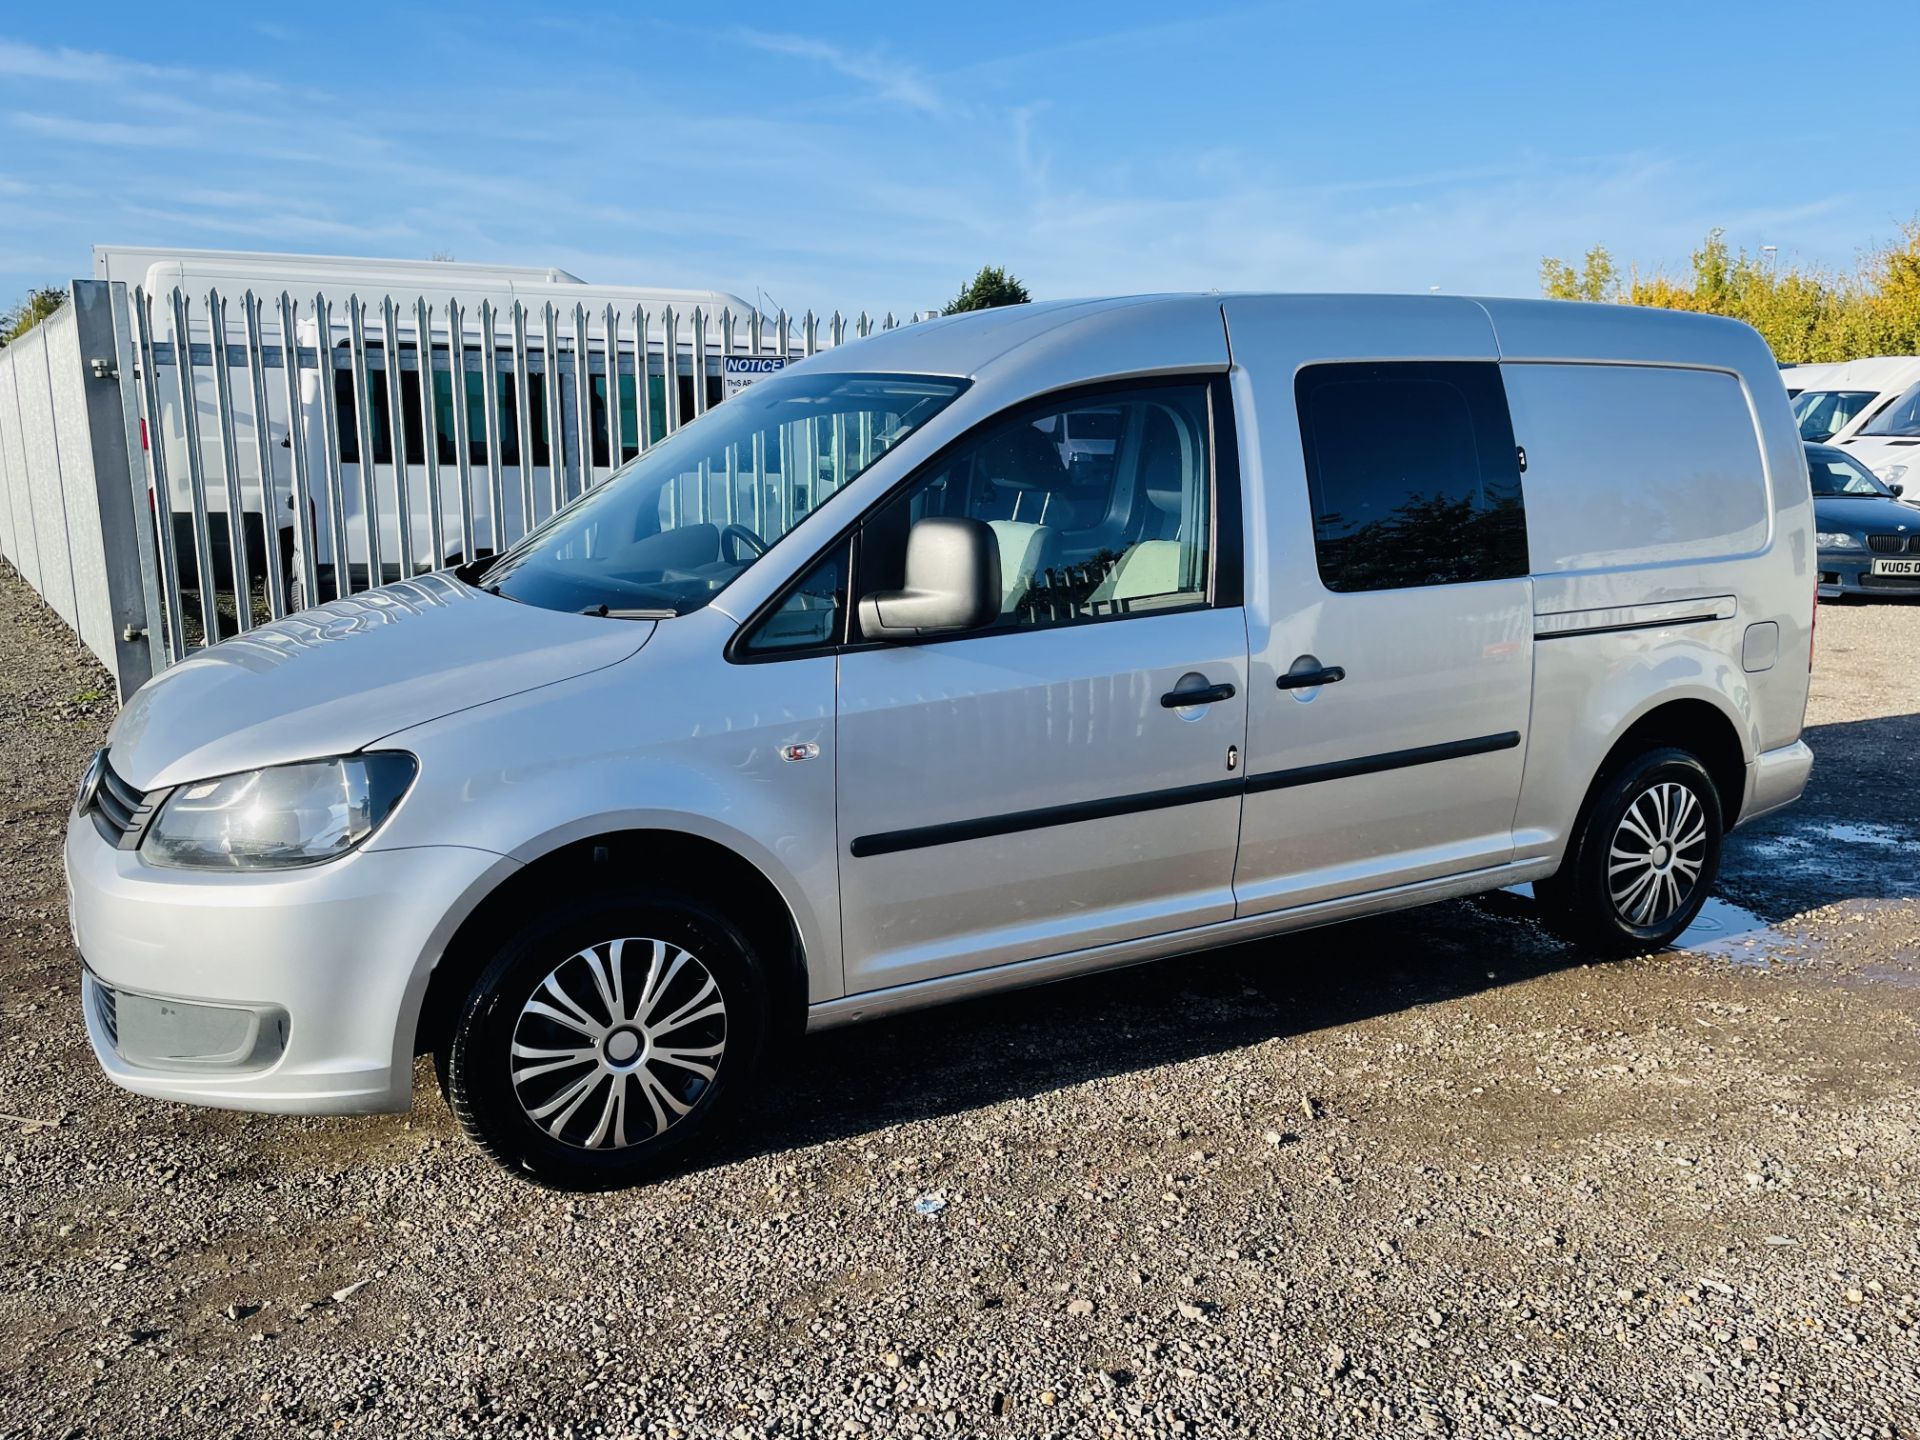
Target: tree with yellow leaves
x,y
1805,314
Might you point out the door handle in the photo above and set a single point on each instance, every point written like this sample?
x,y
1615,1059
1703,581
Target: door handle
x,y
1180,699
1308,679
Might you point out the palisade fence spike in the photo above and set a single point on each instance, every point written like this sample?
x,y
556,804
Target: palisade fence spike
x,y
670,368
810,333
642,387
430,429
223,415
305,537
523,417
699,361
863,327
616,439
330,443
555,426
397,433
838,331
171,587
490,422
582,399
363,434
270,508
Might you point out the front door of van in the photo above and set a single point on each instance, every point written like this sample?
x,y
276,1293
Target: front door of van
x,y
1069,776
1392,640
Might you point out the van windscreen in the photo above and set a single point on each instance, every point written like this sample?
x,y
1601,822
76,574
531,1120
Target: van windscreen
x,y
668,532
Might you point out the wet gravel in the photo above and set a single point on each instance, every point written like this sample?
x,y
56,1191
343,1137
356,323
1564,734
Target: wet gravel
x,y
1425,1174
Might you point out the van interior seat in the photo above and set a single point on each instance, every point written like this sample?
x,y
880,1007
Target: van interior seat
x,y
1157,562
1025,464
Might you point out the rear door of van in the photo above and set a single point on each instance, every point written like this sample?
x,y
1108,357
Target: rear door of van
x,y
1390,612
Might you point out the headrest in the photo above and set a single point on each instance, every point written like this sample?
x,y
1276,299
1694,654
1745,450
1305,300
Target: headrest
x,y
1023,458
1163,463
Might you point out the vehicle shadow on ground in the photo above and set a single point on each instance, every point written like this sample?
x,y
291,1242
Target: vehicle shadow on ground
x,y
960,1057
977,1053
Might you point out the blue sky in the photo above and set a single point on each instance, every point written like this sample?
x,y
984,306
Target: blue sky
x,y
850,156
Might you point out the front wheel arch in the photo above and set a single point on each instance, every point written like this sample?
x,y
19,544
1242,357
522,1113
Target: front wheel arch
x,y
657,860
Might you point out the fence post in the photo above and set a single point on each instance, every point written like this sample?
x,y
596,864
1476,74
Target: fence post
x,y
119,480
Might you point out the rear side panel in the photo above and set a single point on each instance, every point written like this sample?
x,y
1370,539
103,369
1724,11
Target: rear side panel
x,y
1671,533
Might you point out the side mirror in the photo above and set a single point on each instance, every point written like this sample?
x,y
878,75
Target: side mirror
x,y
1897,488
953,583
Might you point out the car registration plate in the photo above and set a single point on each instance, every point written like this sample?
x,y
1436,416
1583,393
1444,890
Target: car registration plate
x,y
1897,567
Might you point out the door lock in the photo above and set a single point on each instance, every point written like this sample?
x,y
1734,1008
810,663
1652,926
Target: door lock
x,y
1233,757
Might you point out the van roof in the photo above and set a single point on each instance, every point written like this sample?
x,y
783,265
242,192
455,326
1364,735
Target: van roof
x,y
1522,329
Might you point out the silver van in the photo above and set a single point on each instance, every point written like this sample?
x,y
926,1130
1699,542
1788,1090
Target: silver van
x,y
1110,630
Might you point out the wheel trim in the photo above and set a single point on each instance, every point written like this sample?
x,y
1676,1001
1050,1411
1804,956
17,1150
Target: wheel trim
x,y
1658,851
618,1043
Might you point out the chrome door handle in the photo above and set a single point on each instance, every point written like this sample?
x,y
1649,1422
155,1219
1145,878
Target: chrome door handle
x,y
1308,679
1180,699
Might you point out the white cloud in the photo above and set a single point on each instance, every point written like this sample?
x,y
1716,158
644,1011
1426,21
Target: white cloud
x,y
887,78
106,132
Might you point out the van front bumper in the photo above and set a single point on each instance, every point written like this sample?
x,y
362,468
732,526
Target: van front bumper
x,y
293,991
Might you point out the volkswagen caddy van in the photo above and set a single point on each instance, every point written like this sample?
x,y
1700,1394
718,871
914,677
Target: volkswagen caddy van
x,y
1357,603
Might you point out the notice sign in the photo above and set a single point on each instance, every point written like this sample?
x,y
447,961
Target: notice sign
x,y
742,370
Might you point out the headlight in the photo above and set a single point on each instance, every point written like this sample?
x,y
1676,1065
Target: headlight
x,y
287,815
1836,540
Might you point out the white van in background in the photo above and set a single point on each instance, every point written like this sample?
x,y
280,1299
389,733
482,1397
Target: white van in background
x,y
1835,403
233,274
1888,442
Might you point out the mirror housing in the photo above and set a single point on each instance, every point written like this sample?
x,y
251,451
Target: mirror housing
x,y
953,583
1897,488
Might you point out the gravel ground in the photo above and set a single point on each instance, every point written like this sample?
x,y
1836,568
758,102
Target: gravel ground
x,y
1426,1174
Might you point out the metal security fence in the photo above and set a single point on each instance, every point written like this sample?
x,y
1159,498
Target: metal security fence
x,y
360,443
181,468
71,521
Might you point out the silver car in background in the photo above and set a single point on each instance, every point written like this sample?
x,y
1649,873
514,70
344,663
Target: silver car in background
x,y
995,650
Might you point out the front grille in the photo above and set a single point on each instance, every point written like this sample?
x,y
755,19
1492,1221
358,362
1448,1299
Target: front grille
x,y
1894,544
120,812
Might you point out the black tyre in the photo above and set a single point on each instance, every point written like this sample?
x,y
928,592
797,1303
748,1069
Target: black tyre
x,y
606,1040
1642,860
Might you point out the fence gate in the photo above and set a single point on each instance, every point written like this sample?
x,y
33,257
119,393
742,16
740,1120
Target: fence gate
x,y
180,468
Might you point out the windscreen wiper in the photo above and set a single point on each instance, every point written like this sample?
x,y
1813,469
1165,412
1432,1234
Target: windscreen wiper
x,y
606,612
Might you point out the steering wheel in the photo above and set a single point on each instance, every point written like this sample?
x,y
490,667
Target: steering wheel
x,y
740,535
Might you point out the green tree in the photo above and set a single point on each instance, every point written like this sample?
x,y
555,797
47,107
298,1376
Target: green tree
x,y
1804,313
992,286
1597,279
37,306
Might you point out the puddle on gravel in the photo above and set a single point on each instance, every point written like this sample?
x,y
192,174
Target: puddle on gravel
x,y
1724,929
1807,848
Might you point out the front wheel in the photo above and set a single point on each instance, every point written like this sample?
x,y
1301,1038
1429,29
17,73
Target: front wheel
x,y
1643,860
604,1041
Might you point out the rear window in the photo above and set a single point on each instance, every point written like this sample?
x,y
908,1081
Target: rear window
x,y
1636,464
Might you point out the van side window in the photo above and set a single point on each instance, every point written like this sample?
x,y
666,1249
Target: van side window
x,y
1102,506
1412,473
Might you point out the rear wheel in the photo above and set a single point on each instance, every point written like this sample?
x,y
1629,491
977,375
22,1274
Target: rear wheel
x,y
1643,859
605,1041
